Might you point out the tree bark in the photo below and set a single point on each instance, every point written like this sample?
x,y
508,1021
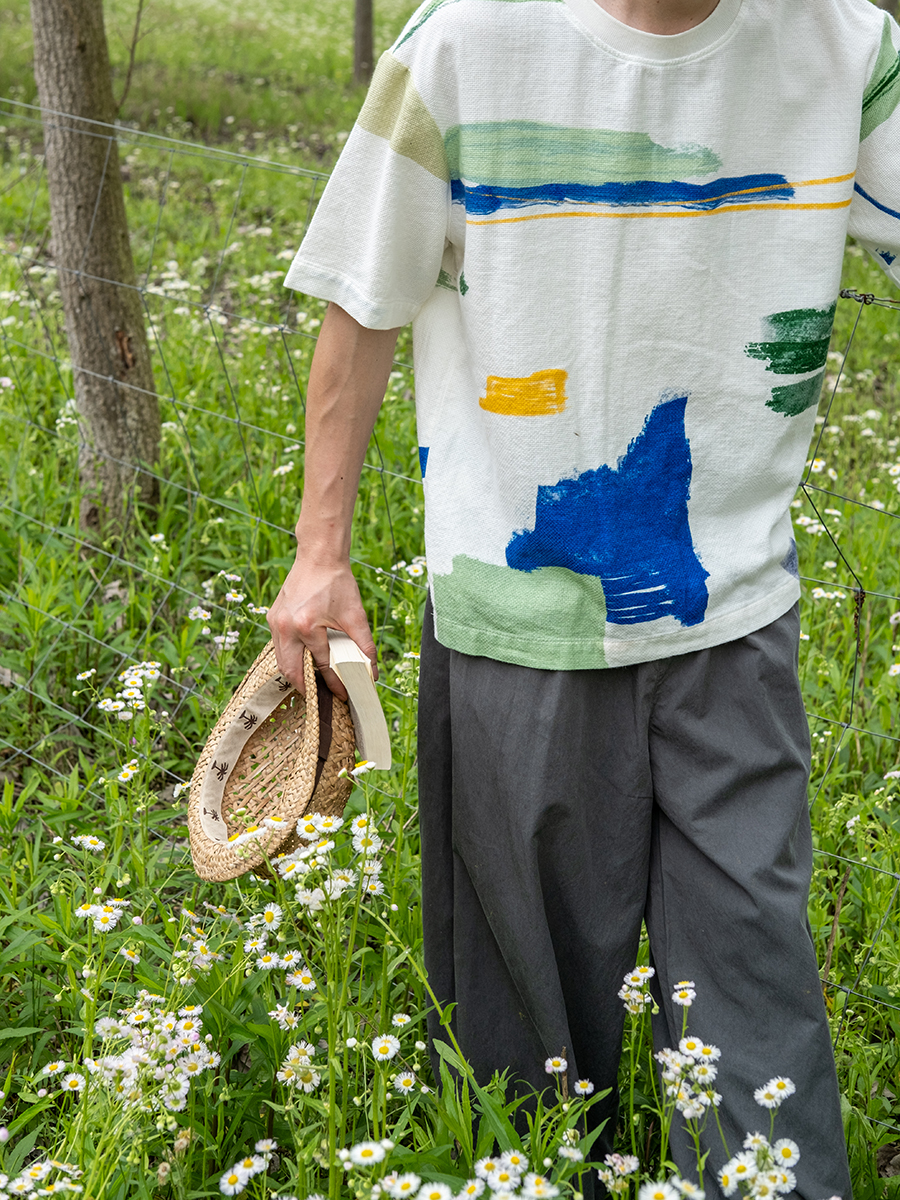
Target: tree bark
x,y
118,412
363,42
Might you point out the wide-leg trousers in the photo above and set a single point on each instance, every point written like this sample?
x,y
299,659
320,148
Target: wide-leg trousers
x,y
559,809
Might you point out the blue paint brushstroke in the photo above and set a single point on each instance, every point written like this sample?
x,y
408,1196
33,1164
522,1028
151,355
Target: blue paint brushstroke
x,y
484,199
628,525
423,459
883,207
791,560
887,256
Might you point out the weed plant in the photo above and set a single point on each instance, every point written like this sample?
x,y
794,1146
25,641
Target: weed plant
x,y
103,770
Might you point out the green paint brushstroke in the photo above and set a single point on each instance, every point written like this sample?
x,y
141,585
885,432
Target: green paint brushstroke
x,y
799,340
789,358
446,280
421,15
530,153
395,111
496,612
882,95
794,398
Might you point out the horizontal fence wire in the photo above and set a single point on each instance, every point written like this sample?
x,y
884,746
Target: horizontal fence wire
x,y
208,315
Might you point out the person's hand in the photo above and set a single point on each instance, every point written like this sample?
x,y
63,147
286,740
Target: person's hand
x,y
313,598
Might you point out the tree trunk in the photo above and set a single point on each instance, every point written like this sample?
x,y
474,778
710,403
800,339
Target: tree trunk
x,y
363,42
118,412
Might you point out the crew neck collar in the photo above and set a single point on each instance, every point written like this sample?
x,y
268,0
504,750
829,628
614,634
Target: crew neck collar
x,y
637,43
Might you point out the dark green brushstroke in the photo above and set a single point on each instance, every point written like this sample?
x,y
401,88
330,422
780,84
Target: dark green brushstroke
x,y
446,280
801,324
882,95
463,286
789,358
799,340
794,398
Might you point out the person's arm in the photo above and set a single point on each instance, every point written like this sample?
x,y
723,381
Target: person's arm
x,y
347,382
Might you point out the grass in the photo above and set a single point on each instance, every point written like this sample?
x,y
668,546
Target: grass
x,y
231,354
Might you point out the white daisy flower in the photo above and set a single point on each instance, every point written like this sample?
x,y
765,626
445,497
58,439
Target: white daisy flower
x,y
385,1047
538,1185
684,996
232,1182
73,1082
786,1152
301,979
485,1167
253,1164
583,1087
132,955
473,1188
767,1097
657,1191
402,1185
686,1188
572,1153
367,843
555,1066
744,1166
404,1083
504,1179
434,1191
515,1160
756,1141
86,674
275,823
366,1154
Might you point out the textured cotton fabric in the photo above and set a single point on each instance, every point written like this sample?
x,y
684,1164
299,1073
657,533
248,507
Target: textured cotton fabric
x,y
559,807
621,254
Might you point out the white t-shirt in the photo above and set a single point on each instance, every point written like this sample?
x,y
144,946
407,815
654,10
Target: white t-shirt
x,y
620,253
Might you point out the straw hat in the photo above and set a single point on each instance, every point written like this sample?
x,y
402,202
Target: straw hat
x,y
272,756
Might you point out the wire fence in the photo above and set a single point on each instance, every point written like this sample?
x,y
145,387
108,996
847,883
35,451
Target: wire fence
x,y
212,231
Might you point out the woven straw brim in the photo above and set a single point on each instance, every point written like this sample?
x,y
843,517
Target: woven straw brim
x,y
282,771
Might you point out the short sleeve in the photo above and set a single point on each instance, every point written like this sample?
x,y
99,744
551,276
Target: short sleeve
x,y
376,240
875,211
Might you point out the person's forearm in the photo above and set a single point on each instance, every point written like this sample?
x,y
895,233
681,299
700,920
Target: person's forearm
x,y
346,386
347,383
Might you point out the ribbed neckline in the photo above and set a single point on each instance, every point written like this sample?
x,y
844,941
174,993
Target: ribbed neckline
x,y
655,47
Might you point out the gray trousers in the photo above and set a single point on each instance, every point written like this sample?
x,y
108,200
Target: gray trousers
x,y
559,809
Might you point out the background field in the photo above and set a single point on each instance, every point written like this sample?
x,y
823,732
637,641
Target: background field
x,y
266,89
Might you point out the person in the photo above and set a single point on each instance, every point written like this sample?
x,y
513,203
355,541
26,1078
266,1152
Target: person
x,y
617,227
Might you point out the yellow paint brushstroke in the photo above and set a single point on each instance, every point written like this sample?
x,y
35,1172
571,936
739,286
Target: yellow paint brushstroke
x,y
539,395
832,179
633,216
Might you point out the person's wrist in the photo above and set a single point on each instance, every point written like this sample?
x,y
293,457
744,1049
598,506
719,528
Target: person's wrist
x,y
328,553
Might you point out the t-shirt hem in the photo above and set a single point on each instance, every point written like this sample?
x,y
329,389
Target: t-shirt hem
x,y
330,285
570,654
